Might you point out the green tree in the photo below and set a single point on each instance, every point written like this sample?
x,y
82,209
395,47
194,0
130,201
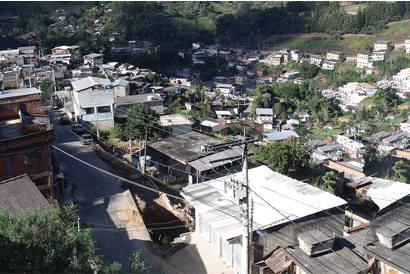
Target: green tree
x,y
276,155
400,170
45,240
307,70
300,152
370,157
140,115
329,182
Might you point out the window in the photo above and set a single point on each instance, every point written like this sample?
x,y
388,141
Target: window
x,y
89,110
33,159
104,109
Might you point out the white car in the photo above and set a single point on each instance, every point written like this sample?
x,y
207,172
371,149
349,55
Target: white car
x,y
86,139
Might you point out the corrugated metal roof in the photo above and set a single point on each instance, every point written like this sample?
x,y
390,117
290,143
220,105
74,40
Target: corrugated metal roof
x,y
277,261
120,82
293,199
276,136
93,55
385,192
88,82
18,92
264,111
184,147
20,193
211,161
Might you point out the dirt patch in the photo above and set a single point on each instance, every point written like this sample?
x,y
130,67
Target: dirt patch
x,y
161,222
357,35
401,107
132,219
397,22
342,119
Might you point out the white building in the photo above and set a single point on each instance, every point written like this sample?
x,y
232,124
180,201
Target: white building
x,y
218,211
354,92
296,55
379,55
316,59
94,59
93,100
226,89
329,64
402,80
354,148
364,60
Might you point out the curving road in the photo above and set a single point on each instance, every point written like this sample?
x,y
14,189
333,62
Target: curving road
x,y
98,196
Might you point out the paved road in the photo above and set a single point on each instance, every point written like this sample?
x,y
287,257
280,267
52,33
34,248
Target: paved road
x,y
93,191
99,195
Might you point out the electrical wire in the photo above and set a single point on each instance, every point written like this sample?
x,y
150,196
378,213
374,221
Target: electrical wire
x,y
154,228
183,199
118,177
235,170
145,187
305,231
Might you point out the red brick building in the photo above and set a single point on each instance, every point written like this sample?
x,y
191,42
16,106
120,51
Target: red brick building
x,y
26,136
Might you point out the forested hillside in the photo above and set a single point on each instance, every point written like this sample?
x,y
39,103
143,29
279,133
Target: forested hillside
x,y
180,23
175,25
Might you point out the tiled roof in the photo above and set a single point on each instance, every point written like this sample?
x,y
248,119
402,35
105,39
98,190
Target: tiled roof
x,y
20,193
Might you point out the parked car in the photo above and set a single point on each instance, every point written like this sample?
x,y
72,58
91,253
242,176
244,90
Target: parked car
x,y
65,120
78,129
86,139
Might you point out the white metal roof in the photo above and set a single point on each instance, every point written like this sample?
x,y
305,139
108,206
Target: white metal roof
x,y
18,92
264,111
93,55
222,112
385,192
88,82
289,199
276,136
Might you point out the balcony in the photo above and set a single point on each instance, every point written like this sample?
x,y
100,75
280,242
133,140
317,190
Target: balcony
x,y
98,116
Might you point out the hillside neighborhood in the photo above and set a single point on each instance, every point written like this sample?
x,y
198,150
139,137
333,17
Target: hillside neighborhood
x,y
267,167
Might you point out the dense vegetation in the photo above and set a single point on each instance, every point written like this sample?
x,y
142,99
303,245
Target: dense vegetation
x,y
181,23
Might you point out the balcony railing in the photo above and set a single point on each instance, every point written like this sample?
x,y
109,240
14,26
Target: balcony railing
x,y
98,116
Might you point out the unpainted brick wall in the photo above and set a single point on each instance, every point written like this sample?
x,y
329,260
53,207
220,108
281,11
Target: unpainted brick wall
x,y
27,140
14,165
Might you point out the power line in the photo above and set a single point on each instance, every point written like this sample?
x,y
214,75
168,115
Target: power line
x,y
118,177
142,186
307,232
154,228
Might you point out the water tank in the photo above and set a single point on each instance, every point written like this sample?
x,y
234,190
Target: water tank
x,y
150,98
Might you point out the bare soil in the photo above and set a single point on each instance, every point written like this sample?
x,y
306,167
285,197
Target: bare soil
x,y
156,214
342,119
163,224
401,107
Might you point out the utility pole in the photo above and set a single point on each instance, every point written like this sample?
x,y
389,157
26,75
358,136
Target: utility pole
x,y
245,214
241,190
145,149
